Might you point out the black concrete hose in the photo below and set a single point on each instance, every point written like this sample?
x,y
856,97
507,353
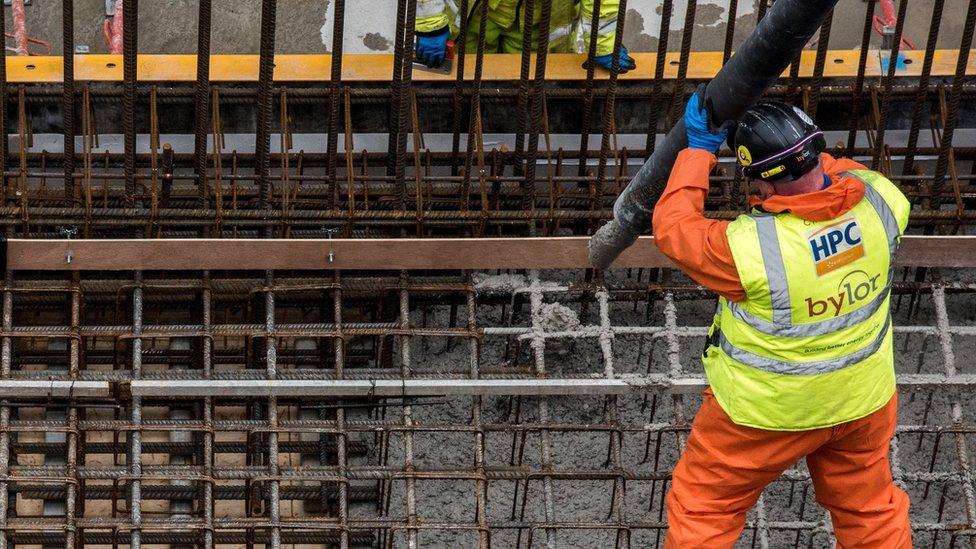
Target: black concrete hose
x,y
761,59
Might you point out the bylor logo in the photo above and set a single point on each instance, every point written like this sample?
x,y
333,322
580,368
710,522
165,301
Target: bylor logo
x,y
854,288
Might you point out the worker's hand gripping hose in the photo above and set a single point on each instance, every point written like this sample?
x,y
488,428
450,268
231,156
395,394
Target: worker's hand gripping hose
x,y
761,59
699,129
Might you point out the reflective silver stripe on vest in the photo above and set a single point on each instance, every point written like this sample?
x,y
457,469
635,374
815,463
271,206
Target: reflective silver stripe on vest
x,y
804,368
779,291
430,8
604,26
768,239
884,212
560,32
818,328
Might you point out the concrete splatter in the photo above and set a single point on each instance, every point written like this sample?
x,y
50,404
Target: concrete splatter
x,y
484,282
556,317
634,36
367,24
376,42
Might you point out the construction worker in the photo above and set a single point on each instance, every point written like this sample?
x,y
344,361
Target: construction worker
x,y
569,29
799,357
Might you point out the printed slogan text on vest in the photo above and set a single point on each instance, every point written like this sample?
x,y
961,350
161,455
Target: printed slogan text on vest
x,y
836,245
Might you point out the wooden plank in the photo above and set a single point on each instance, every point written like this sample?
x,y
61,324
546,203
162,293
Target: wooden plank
x,y
387,254
366,254
370,67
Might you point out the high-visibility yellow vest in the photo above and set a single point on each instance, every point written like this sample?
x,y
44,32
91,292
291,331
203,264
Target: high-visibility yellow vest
x,y
570,21
810,346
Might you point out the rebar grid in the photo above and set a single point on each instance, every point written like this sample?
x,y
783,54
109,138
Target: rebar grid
x,y
273,186
402,409
512,463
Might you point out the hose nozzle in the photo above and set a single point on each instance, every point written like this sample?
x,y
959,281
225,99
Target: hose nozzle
x,y
608,243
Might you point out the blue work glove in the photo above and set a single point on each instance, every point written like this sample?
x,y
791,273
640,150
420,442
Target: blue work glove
x,y
432,47
700,135
625,64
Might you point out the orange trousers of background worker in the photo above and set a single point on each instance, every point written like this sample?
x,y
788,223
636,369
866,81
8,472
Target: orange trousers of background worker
x,y
725,467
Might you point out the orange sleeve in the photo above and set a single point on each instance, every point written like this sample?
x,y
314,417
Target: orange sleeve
x,y
682,232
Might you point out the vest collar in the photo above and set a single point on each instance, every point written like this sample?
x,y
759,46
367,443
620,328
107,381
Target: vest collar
x,y
828,203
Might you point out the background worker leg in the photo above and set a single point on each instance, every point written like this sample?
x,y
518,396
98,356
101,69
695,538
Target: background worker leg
x,y
511,39
721,474
852,479
492,34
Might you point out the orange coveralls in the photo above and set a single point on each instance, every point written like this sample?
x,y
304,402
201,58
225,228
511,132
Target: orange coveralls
x,y
725,466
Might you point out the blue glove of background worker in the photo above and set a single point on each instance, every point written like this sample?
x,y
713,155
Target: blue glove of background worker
x,y
625,64
432,47
700,135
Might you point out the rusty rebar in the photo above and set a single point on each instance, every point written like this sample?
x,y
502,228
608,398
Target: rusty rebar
x,y
68,97
262,136
130,47
951,120
201,100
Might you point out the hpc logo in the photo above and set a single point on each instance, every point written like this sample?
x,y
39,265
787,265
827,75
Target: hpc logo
x,y
836,245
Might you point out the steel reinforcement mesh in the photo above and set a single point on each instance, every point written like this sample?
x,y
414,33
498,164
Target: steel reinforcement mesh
x,y
545,152
177,453
517,409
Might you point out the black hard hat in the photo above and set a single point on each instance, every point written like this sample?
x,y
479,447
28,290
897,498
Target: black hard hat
x,y
776,142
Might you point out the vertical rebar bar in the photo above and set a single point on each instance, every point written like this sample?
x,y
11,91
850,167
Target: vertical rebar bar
x,y
677,98
761,8
262,143
271,357
68,98
949,361
135,435
71,437
396,89
659,65
460,49
887,83
923,87
3,118
538,345
335,83
474,122
5,364
730,30
818,66
408,465
342,458
202,103
858,87
522,122
538,97
207,505
400,168
481,485
130,48
955,92
588,86
609,108
618,507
